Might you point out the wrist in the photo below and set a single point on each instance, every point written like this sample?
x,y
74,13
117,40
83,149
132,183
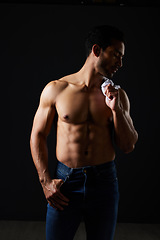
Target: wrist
x,y
45,178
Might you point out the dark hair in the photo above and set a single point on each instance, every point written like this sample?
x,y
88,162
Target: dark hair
x,y
103,36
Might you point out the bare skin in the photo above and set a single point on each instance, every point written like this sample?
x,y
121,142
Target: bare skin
x,y
86,120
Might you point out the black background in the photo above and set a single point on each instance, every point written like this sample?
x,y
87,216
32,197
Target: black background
x,y
40,43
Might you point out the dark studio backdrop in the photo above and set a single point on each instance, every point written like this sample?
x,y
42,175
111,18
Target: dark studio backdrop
x,y
40,43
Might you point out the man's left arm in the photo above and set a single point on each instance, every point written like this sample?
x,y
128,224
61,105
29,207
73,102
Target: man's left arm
x,y
125,134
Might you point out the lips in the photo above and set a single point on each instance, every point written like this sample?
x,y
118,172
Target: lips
x,y
115,69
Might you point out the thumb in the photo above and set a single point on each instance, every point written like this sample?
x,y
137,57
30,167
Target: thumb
x,y
59,183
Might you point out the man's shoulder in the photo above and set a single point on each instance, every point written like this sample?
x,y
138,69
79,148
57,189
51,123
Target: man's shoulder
x,y
60,84
123,94
69,79
56,87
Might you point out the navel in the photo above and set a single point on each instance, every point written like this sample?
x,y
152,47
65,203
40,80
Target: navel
x,y
86,152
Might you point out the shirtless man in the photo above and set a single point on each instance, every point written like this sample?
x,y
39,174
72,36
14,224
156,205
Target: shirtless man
x,y
85,182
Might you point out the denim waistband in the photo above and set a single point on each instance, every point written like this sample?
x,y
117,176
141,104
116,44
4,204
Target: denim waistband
x,y
96,168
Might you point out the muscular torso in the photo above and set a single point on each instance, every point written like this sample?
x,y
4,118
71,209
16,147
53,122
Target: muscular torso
x,y
84,127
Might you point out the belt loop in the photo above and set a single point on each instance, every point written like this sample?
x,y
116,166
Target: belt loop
x,y
69,172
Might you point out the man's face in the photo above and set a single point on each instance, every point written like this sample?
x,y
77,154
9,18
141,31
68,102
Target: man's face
x,y
110,59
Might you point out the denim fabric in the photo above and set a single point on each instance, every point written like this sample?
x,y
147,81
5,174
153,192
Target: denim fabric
x,y
94,196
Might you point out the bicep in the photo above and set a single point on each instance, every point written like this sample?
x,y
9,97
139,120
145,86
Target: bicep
x,y
125,104
43,120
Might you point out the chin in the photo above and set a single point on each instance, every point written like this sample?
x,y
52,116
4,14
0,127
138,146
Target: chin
x,y
109,75
106,73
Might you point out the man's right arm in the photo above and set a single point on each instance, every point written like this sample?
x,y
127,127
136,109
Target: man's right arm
x,y
41,127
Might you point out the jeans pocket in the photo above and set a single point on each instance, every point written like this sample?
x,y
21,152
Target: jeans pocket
x,y
61,175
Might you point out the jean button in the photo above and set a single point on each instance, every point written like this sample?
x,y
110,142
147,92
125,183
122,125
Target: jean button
x,y
85,171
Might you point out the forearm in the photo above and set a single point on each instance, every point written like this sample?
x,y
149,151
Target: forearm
x,y
125,133
39,150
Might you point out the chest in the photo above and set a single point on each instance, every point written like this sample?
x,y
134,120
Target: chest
x,y
78,105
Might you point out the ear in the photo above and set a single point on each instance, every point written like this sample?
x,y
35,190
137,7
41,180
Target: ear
x,y
96,50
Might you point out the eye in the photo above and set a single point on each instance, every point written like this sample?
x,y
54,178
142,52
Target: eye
x,y
116,55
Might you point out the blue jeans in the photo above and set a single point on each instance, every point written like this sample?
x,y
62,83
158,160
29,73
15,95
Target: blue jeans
x,y
94,196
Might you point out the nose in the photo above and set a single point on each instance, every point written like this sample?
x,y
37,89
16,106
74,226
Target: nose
x,y
120,63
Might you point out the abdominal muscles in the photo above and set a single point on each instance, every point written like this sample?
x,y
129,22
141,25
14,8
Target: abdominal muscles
x,y
84,144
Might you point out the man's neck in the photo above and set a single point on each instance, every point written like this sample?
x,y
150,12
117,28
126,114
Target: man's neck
x,y
88,74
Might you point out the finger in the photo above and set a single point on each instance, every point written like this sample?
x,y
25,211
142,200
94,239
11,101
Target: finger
x,y
60,201
109,89
52,204
56,205
56,194
112,94
109,98
61,196
112,90
59,183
